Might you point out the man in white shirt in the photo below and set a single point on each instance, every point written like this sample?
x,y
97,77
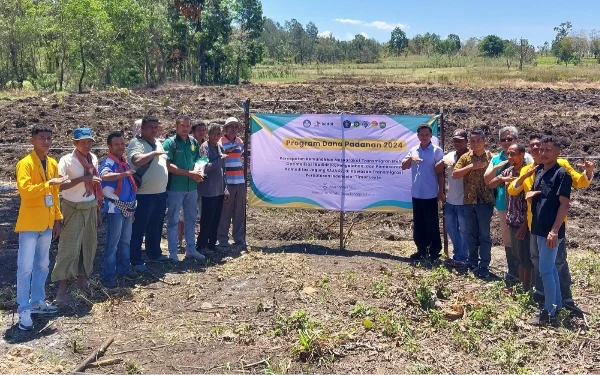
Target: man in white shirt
x,y
453,209
81,204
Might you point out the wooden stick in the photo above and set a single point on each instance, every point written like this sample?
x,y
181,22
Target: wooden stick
x,y
106,362
256,363
94,356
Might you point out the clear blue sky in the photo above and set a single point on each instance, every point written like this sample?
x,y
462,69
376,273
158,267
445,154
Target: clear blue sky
x,y
509,19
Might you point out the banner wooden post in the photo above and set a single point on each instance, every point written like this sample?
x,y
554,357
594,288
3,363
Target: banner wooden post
x,y
246,106
441,138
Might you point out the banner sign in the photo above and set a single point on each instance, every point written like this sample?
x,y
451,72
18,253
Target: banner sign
x,y
333,162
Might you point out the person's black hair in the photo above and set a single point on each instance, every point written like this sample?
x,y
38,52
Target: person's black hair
x,y
478,132
113,135
535,136
149,119
520,148
181,118
424,126
197,124
40,128
557,142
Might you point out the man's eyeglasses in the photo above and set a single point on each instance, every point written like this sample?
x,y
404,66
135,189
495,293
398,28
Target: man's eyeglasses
x,y
507,139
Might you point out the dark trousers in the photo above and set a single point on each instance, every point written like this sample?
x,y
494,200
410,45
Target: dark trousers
x,y
149,218
209,222
479,241
426,227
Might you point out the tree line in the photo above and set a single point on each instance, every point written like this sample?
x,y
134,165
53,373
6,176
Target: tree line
x,y
294,43
79,44
59,44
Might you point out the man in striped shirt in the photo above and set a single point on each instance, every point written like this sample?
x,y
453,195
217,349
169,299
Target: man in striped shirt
x,y
234,208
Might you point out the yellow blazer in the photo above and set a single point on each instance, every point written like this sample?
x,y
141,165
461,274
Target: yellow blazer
x,y
33,185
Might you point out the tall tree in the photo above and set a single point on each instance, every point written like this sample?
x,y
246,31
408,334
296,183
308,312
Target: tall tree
x,y
398,41
249,16
562,31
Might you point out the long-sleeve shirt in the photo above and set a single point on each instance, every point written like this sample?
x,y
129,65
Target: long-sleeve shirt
x,y
33,186
215,182
580,180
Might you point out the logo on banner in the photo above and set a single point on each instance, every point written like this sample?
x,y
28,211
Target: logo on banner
x,y
306,123
382,125
356,124
365,124
374,124
347,124
317,124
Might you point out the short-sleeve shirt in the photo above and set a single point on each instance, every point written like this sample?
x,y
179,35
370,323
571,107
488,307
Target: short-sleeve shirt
x,y
516,205
234,169
184,154
425,183
456,193
70,166
475,189
127,194
155,180
553,183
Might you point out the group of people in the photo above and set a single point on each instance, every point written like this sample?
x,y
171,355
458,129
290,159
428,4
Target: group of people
x,y
530,192
197,172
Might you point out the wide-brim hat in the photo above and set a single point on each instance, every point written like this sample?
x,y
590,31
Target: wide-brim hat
x,y
82,133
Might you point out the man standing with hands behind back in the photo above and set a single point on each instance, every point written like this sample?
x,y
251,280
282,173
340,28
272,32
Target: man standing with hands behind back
x,y
427,189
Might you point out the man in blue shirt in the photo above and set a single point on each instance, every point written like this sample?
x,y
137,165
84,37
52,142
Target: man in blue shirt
x,y
427,189
119,188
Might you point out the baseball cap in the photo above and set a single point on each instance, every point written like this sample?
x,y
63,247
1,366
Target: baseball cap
x,y
231,121
82,133
459,134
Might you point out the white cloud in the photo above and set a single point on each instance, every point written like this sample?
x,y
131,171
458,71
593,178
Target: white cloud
x,y
347,20
325,34
365,35
349,36
381,25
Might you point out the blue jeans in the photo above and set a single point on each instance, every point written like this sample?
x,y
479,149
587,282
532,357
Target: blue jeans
x,y
116,251
32,267
149,218
176,201
479,241
549,274
457,230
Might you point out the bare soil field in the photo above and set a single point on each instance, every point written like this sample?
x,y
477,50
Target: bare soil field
x,y
292,302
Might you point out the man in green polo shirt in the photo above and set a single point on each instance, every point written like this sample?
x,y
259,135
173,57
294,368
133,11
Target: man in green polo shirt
x,y
182,155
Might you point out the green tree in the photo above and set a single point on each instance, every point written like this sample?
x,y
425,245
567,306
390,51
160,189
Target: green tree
x,y
415,45
566,50
491,46
509,51
398,41
562,31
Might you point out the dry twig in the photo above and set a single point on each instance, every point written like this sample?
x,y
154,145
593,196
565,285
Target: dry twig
x,y
95,355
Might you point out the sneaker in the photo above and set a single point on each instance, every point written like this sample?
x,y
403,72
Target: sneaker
x,y
541,319
42,307
25,322
195,255
573,309
241,243
455,263
173,258
223,245
132,275
112,284
417,257
140,268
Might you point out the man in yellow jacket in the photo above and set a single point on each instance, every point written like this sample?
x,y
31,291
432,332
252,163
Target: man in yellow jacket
x,y
525,183
39,222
